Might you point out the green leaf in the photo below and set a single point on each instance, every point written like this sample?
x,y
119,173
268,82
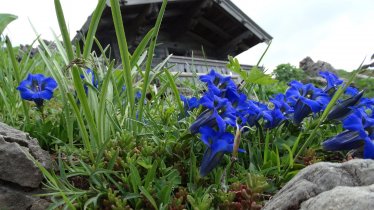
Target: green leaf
x,y
125,57
93,27
149,197
5,19
64,30
135,179
254,76
151,174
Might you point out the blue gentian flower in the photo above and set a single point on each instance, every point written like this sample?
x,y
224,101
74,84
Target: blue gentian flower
x,y
218,143
280,102
189,103
220,114
344,141
37,88
261,112
217,83
305,99
332,81
367,102
280,111
361,122
277,117
351,91
344,108
92,79
359,131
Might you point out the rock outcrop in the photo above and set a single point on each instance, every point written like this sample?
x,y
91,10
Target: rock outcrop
x,y
20,178
312,68
343,186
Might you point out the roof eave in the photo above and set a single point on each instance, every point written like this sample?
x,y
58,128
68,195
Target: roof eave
x,y
139,2
233,10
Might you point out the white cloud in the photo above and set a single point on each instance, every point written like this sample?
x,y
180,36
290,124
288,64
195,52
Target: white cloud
x,y
335,31
42,15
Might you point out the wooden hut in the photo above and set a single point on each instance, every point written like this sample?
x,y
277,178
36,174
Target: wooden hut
x,y
203,32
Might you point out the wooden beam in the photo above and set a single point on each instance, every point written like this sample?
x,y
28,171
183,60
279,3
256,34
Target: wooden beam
x,y
189,20
216,29
201,40
138,2
228,47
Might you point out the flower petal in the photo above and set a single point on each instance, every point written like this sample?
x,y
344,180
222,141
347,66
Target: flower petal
x,y
344,141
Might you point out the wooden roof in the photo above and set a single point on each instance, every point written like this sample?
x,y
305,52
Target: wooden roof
x,y
218,26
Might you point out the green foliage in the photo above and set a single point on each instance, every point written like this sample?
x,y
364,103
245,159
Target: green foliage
x,y
254,76
361,83
5,19
287,72
366,84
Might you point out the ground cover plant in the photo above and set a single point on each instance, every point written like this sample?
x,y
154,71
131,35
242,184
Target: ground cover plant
x,y
119,143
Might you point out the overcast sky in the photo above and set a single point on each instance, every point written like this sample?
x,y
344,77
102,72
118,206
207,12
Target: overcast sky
x,y
340,32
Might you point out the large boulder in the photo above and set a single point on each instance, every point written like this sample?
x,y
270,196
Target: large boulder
x,y
17,149
15,198
320,185
312,68
343,198
20,178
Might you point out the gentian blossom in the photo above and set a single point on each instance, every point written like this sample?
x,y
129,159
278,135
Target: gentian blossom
x,y
333,82
344,108
220,113
37,88
359,131
305,99
218,84
280,111
92,79
190,103
218,143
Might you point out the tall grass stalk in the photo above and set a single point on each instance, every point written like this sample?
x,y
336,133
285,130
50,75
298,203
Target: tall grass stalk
x,y
125,57
92,28
64,30
150,57
17,75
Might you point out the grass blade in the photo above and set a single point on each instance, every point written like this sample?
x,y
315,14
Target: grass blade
x,y
125,56
150,57
64,30
93,27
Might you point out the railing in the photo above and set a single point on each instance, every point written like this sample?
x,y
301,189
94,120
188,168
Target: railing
x,y
187,66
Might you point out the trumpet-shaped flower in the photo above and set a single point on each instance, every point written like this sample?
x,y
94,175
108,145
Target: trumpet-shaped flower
x,y
218,143
221,111
359,131
92,79
217,83
332,80
344,141
190,103
344,108
305,99
277,117
37,88
280,102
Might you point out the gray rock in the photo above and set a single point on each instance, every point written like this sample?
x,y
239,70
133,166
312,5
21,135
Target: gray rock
x,y
313,68
342,198
322,177
16,199
16,166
